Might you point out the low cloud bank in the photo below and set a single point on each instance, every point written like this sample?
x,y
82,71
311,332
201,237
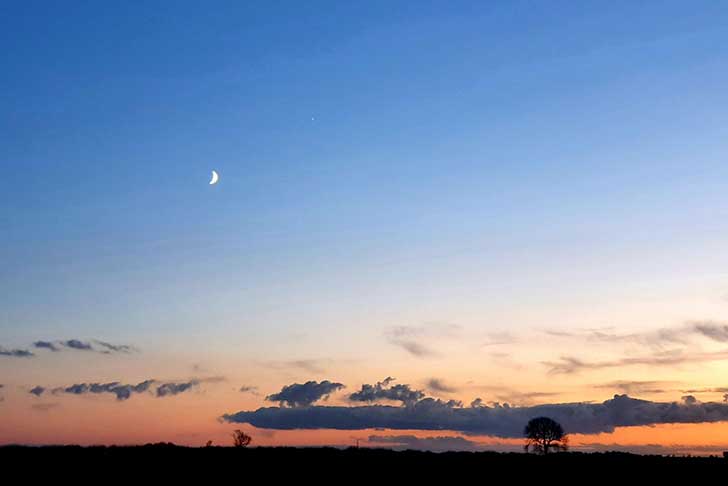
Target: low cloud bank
x,y
500,421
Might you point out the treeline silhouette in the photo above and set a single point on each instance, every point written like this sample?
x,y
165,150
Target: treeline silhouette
x,y
325,464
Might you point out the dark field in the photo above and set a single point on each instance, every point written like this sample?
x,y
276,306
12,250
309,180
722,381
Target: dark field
x,y
330,465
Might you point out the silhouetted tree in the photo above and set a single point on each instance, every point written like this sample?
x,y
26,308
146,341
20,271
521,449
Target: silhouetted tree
x,y
544,434
241,439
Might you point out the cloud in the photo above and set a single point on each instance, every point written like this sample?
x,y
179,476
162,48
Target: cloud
x,y
716,331
500,421
16,353
411,338
689,400
116,348
249,389
499,393
78,345
570,364
44,407
435,444
313,366
304,395
121,391
658,338
170,389
46,345
707,390
37,391
638,387
125,391
414,348
500,338
383,391
437,385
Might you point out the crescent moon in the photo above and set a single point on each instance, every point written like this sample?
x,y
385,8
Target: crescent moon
x,y
215,178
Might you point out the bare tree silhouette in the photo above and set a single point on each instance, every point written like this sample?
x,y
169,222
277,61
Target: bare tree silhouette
x,y
544,434
241,439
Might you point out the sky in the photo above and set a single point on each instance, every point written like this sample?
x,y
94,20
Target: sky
x,y
521,202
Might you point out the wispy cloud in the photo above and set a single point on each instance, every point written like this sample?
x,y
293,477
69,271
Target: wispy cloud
x,y
638,387
657,338
571,364
416,340
313,366
16,353
439,385
44,407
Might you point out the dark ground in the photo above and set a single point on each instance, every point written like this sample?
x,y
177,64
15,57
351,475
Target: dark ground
x,y
329,465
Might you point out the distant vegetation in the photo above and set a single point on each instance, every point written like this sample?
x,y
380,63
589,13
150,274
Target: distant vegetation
x,y
328,464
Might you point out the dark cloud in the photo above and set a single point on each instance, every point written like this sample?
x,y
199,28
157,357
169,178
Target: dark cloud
x,y
115,348
383,391
16,353
249,389
46,345
37,391
438,385
121,391
304,395
125,391
435,444
169,389
78,345
500,421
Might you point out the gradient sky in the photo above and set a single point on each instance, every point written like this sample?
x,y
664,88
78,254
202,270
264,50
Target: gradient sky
x,y
485,193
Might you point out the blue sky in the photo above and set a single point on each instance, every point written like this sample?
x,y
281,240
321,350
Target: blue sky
x,y
347,138
498,166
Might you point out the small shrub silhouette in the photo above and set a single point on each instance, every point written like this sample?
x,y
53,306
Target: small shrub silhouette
x,y
241,439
